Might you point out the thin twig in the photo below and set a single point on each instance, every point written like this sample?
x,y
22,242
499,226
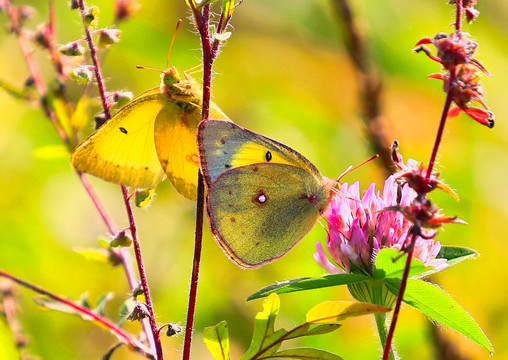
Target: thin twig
x,y
152,335
210,51
400,296
115,329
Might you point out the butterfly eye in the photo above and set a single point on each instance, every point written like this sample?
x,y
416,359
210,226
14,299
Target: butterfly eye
x,y
268,156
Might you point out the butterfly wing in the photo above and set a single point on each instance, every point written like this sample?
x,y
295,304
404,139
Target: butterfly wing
x,y
175,143
259,212
122,150
226,145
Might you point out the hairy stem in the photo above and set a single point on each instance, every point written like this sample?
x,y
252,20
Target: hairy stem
x,y
152,335
202,20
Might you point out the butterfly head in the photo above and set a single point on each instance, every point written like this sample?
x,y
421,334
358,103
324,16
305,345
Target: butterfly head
x,y
169,77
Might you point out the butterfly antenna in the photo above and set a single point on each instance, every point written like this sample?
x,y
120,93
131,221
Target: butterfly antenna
x,y
147,68
173,41
351,168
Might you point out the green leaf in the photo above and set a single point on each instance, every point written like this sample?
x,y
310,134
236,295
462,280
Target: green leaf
x,y
101,303
264,334
217,340
304,354
227,8
455,254
438,305
390,263
308,283
331,312
143,197
309,330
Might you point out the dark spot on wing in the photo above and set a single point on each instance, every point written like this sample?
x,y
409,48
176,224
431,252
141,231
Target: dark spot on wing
x,y
268,156
227,166
146,167
260,198
256,244
124,130
233,220
311,198
222,141
255,168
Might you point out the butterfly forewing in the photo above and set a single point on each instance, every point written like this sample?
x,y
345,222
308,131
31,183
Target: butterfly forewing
x,y
122,150
259,212
226,145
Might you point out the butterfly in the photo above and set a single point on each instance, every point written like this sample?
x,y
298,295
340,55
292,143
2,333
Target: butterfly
x,y
263,196
152,136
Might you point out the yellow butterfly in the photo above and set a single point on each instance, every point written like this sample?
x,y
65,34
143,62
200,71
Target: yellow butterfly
x,y
154,134
263,196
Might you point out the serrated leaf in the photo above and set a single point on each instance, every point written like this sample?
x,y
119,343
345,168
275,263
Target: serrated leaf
x,y
264,334
309,330
331,312
390,263
51,152
307,284
455,254
304,354
217,340
438,305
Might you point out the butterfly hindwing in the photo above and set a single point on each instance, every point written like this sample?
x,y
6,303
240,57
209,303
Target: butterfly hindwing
x,y
259,212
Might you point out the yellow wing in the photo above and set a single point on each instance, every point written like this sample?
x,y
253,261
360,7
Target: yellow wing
x,y
175,143
122,151
226,146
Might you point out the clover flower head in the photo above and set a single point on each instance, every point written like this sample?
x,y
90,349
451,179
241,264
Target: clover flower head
x,y
358,227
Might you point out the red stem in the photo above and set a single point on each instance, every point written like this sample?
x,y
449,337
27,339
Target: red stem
x,y
203,22
440,131
458,16
97,69
154,339
142,273
120,333
400,295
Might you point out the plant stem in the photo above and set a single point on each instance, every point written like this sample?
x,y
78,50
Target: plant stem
x,y
442,123
383,332
202,21
449,95
153,335
142,273
93,55
398,303
115,329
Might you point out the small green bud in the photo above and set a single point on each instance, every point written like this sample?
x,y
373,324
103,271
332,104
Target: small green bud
x,y
173,329
109,37
121,240
72,49
144,197
82,74
91,19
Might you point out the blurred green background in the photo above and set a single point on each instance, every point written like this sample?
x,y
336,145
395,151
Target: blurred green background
x,y
284,73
